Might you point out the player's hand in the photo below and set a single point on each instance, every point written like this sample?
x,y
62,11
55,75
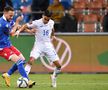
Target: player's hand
x,y
17,33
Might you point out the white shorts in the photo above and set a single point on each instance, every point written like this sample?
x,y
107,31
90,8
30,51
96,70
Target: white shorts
x,y
45,48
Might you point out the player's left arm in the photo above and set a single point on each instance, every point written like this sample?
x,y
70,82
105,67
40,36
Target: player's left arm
x,y
16,26
53,34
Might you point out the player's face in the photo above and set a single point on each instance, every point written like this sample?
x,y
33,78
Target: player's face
x,y
46,19
9,15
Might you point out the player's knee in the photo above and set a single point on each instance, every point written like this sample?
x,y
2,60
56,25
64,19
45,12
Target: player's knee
x,y
23,58
14,58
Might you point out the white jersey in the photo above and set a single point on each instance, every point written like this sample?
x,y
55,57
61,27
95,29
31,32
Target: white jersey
x,y
43,43
43,33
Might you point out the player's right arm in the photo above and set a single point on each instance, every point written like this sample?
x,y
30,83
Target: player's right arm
x,y
31,31
25,27
22,28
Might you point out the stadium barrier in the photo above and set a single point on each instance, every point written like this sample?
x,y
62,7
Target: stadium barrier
x,y
78,52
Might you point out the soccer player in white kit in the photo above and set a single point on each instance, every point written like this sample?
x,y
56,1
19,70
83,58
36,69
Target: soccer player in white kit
x,y
44,33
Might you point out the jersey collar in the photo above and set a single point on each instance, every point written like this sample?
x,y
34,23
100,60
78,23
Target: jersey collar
x,y
43,23
4,18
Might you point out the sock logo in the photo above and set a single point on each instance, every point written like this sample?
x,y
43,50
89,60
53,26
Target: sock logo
x,y
64,51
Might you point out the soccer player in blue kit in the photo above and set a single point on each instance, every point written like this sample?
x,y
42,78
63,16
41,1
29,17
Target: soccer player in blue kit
x,y
7,50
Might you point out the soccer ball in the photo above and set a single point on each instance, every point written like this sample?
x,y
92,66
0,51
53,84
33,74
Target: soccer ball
x,y
22,82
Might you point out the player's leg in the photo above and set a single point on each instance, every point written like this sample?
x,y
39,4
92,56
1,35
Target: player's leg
x,y
21,69
7,75
53,57
18,65
29,65
19,62
14,67
6,53
57,69
55,73
35,53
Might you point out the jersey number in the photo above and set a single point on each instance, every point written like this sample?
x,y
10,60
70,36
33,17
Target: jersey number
x,y
45,32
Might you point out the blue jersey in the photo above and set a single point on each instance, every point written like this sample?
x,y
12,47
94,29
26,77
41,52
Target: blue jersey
x,y
5,29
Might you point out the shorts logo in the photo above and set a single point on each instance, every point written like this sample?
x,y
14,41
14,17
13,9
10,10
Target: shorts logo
x,y
5,54
64,52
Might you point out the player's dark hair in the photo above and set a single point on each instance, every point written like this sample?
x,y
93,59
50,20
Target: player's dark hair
x,y
8,8
47,13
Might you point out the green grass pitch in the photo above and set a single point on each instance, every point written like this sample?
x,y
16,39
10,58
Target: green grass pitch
x,y
64,82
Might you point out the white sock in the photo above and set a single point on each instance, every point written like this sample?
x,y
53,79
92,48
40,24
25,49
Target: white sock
x,y
27,68
8,75
56,72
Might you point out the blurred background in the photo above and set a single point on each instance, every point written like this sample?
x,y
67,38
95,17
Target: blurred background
x,y
78,15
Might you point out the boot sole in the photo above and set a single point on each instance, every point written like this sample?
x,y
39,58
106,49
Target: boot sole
x,y
30,86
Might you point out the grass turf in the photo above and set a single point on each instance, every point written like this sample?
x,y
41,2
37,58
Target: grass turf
x,y
64,82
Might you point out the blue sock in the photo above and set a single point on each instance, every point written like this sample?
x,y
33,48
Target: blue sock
x,y
12,69
21,68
